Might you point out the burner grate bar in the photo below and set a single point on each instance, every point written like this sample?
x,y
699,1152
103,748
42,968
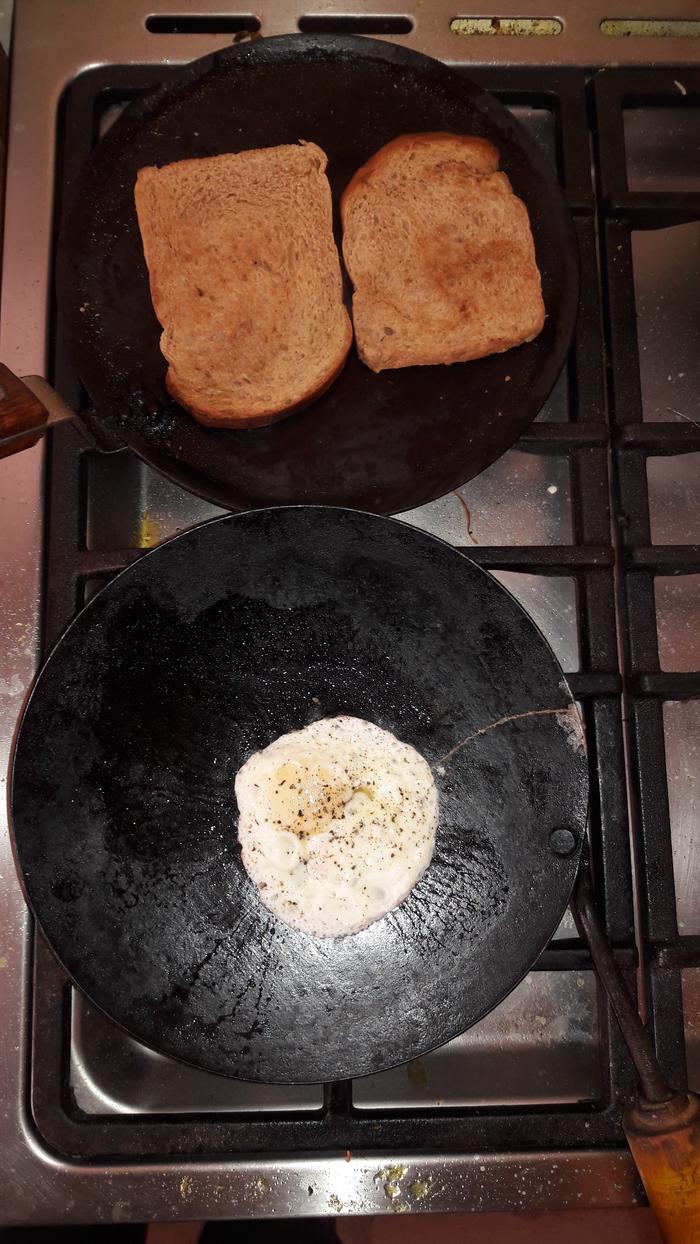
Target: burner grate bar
x,y
647,687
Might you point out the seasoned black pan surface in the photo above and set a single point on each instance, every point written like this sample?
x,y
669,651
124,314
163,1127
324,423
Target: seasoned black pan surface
x,y
206,650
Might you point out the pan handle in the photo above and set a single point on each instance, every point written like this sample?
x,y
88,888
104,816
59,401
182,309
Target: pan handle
x,y
27,408
663,1127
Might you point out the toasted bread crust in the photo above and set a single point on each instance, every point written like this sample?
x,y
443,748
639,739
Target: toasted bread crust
x,y
478,152
211,418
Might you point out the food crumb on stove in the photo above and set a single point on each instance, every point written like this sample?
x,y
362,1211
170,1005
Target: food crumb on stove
x,y
418,1189
396,1172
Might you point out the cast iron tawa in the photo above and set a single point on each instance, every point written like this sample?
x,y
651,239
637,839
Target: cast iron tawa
x,y
385,442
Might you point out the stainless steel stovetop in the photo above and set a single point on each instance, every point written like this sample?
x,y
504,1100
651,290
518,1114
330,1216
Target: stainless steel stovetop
x,y
544,1046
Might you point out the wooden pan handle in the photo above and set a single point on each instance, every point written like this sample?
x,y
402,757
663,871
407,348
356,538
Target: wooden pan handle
x,y
21,412
665,1141
28,406
663,1127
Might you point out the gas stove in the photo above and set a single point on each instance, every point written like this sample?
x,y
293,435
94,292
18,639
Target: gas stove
x,y
592,521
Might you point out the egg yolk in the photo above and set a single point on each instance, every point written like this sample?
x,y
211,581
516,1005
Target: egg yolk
x,y
305,797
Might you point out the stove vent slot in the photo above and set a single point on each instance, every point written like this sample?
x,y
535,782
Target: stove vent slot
x,y
506,26
622,28
195,24
355,24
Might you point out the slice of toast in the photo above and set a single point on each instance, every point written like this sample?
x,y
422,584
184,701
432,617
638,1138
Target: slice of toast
x,y
245,280
440,254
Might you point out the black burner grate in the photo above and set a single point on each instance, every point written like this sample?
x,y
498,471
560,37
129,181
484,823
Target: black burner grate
x,y
584,439
622,211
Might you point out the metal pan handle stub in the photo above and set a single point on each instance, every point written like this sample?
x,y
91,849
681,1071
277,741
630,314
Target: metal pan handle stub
x,y
28,406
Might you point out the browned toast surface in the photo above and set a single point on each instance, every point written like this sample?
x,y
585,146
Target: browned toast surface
x,y
440,254
245,281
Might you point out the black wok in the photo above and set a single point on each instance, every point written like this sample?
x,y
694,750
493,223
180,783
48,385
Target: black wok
x,y
124,816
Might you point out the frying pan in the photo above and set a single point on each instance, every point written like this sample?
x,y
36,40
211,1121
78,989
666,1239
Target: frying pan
x,y
207,649
384,442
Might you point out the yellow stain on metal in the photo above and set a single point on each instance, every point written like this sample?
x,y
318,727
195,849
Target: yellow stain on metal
x,y
149,533
416,1074
619,28
520,26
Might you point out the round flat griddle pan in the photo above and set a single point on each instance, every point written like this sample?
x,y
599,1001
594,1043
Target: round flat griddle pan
x,y
384,443
203,652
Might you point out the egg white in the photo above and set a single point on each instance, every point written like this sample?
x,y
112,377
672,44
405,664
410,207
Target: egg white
x,y
336,824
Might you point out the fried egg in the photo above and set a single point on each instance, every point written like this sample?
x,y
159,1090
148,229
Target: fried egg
x,y
336,824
